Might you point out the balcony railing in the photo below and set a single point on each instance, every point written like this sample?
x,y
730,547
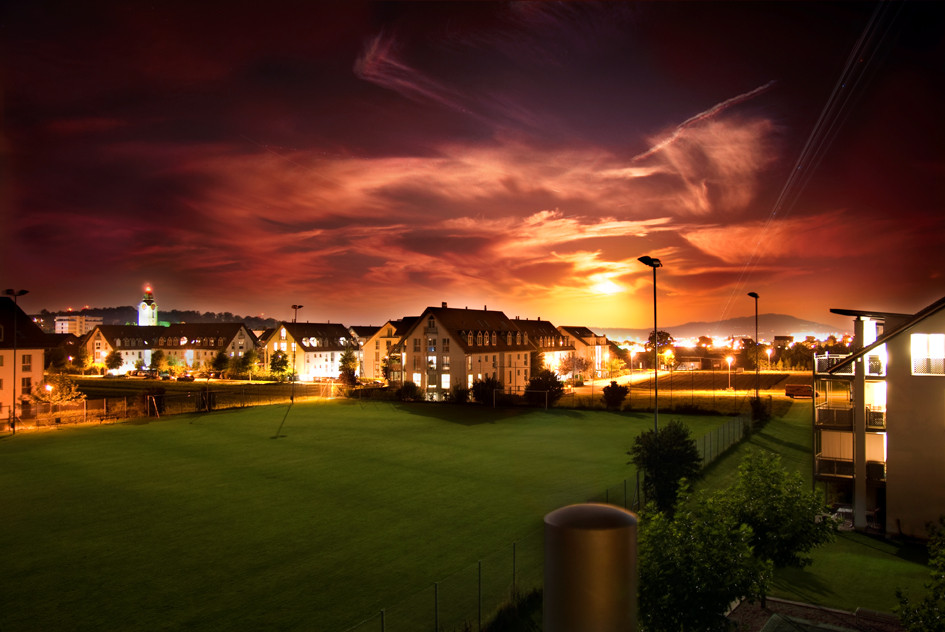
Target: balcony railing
x,y
835,417
876,365
875,471
840,468
875,419
822,363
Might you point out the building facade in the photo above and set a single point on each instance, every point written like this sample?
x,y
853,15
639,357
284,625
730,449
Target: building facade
x,y
314,350
21,362
76,324
879,421
593,348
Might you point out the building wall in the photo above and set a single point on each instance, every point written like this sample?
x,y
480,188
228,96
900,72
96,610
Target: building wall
x,y
29,371
915,469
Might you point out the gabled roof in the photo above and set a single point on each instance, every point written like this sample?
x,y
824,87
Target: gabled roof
x,y
579,331
909,323
538,330
461,322
363,332
28,334
197,335
330,336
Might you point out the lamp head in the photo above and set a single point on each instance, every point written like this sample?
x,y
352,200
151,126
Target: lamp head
x,y
11,292
650,261
754,295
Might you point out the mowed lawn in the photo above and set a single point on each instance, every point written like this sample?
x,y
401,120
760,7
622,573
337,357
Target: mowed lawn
x,y
210,523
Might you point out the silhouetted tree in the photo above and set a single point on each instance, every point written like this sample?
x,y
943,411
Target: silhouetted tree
x,y
666,457
483,391
113,360
615,394
349,366
544,388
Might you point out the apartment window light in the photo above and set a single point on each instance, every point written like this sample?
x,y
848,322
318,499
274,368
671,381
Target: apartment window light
x,y
928,354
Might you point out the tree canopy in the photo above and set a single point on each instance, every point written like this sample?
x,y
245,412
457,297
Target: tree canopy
x,y
928,614
544,387
113,360
665,457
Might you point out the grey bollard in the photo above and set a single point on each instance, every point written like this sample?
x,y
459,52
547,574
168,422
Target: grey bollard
x,y
590,569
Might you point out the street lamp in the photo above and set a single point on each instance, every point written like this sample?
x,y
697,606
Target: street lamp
x,y
295,316
654,263
754,295
15,294
729,359
768,351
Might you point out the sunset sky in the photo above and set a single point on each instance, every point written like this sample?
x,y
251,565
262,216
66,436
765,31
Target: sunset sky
x,y
368,160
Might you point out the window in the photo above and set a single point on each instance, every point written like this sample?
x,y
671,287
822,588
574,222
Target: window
x,y
26,386
493,339
416,345
377,343
1,360
27,360
518,337
431,345
445,381
928,354
478,337
469,338
446,363
431,323
446,345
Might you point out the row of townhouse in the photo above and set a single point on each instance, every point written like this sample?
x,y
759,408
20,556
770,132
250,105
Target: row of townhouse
x,y
436,350
879,421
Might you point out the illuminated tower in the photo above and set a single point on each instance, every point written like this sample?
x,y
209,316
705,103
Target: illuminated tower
x,y
147,309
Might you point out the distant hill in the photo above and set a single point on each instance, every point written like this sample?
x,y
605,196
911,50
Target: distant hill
x,y
769,326
126,314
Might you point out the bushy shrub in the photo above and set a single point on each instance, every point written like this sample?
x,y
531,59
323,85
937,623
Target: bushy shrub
x,y
544,388
483,391
458,394
409,392
614,395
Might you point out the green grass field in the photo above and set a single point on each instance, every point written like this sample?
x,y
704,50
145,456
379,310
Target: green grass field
x,y
208,522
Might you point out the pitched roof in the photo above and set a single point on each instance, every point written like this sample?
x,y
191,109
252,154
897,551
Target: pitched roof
x,y
579,331
462,322
28,334
331,336
909,323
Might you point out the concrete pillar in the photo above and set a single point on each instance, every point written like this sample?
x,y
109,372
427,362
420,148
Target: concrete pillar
x,y
590,569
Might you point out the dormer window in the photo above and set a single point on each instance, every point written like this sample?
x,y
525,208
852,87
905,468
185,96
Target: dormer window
x,y
518,337
494,339
478,337
469,338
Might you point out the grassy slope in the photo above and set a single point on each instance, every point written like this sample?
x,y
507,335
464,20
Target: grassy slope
x,y
856,570
208,522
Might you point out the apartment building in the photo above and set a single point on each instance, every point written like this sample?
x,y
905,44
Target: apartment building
x,y
879,421
447,346
21,363
378,347
592,347
77,324
314,350
551,349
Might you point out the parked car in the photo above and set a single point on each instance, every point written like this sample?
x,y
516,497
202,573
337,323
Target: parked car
x,y
186,378
798,390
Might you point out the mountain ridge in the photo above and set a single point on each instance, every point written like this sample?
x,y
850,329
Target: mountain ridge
x,y
769,326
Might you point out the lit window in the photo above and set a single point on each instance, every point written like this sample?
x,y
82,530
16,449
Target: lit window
x,y
928,354
445,381
282,334
493,339
27,362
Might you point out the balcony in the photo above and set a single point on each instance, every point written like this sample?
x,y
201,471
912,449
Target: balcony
x,y
822,363
834,417
875,419
833,467
876,365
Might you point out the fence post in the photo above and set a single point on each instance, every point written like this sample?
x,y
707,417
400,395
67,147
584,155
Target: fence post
x,y
479,618
513,567
436,607
382,620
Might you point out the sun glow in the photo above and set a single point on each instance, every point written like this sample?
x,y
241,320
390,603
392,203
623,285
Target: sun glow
x,y
606,287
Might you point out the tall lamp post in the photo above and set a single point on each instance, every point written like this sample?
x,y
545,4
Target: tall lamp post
x,y
295,344
754,295
654,263
15,294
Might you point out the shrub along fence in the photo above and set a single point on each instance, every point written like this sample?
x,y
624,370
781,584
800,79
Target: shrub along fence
x,y
468,599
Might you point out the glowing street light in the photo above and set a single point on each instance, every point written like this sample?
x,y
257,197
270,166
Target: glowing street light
x,y
654,263
768,351
729,359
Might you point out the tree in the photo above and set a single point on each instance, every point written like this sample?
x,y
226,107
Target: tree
x,y
248,361
544,388
576,365
928,615
158,360
693,564
58,389
80,361
279,363
56,359
786,517
663,341
113,360
483,391
349,367
665,457
615,394
220,362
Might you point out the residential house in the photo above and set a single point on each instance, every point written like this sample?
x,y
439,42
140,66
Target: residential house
x,y
590,346
879,420
550,348
361,334
21,368
381,344
190,345
314,350
447,346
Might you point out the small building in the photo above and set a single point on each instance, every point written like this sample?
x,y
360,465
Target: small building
x,y
590,346
21,363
